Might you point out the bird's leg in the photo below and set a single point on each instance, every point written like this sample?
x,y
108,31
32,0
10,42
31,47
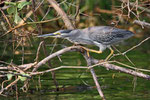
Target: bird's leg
x,y
111,53
91,50
88,54
95,51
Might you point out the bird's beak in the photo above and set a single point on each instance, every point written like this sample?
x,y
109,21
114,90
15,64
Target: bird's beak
x,y
56,34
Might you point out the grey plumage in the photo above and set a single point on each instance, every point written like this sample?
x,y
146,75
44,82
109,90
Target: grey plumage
x,y
101,36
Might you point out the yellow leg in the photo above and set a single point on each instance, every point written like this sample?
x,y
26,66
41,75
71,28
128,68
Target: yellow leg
x,y
111,53
88,53
95,51
91,50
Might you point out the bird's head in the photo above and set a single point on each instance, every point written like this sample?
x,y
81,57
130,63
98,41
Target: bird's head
x,y
59,34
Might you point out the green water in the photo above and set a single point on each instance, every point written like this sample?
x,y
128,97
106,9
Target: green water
x,y
77,84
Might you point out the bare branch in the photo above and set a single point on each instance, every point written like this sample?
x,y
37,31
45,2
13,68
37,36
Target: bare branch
x,y
54,55
121,69
139,7
54,69
64,16
142,23
38,50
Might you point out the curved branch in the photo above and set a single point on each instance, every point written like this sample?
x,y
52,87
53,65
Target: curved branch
x,y
64,16
54,55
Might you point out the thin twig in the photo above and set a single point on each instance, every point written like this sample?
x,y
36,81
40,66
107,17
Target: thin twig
x,y
11,84
54,69
38,50
136,45
28,23
5,18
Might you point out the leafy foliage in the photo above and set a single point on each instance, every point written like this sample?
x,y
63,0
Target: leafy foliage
x,y
15,8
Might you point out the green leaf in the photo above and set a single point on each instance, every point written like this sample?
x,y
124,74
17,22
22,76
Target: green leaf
x,y
9,76
22,4
11,10
17,18
22,78
10,3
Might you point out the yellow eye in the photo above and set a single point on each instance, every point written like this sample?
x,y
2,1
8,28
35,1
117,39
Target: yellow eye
x,y
57,33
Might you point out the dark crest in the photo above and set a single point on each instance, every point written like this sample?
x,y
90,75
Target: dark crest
x,y
65,31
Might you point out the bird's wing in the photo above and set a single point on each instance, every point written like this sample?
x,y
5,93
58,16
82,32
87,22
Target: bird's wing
x,y
108,35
